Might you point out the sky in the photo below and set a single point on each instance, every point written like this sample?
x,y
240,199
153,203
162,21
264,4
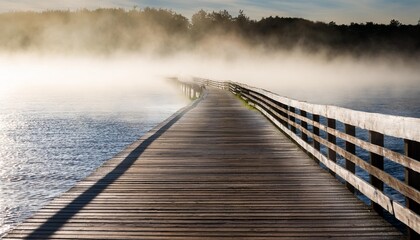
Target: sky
x,y
340,11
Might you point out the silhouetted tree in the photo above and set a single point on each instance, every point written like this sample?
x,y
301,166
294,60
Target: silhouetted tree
x,y
394,23
200,24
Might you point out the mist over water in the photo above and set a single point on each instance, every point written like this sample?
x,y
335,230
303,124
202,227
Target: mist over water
x,y
294,57
62,117
65,108
389,86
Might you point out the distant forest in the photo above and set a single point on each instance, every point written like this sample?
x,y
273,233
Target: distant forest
x,y
164,31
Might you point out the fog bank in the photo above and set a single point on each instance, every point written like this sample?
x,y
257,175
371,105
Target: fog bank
x,y
111,52
313,78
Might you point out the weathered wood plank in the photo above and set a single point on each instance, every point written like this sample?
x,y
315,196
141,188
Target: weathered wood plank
x,y
378,162
332,155
404,160
351,148
219,171
407,127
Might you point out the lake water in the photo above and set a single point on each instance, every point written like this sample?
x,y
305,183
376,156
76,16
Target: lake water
x,y
48,142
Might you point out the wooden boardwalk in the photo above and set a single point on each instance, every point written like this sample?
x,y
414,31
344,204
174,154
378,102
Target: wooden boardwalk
x,y
216,170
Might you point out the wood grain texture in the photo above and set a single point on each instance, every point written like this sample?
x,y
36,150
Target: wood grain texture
x,y
378,173
387,153
215,171
407,127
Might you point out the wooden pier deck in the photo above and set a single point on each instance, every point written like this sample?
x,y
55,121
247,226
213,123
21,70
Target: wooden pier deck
x,y
215,170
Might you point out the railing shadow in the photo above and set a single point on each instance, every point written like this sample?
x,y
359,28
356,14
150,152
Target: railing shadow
x,y
54,223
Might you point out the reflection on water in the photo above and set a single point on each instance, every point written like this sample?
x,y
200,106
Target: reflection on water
x,y
48,143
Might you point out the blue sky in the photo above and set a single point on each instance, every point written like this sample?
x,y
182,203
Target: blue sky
x,y
341,11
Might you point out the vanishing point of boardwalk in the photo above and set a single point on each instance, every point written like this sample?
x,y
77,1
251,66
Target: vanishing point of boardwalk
x,y
215,170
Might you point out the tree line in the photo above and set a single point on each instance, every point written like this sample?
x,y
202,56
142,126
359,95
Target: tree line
x,y
165,31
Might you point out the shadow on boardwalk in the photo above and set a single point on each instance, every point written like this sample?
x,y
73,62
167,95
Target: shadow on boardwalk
x,y
55,222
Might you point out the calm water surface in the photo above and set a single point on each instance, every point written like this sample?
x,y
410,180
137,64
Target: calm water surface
x,y
48,142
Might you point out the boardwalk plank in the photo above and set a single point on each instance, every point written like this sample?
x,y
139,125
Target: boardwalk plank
x,y
214,170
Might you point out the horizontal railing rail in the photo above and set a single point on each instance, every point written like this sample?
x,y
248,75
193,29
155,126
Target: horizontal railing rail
x,y
301,121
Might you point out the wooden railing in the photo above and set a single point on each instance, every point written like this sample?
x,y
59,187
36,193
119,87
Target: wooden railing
x,y
314,128
211,83
191,90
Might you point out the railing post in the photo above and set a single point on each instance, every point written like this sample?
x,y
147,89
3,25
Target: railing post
x,y
187,89
285,114
317,146
332,139
351,148
304,125
377,161
191,92
291,118
412,178
236,89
